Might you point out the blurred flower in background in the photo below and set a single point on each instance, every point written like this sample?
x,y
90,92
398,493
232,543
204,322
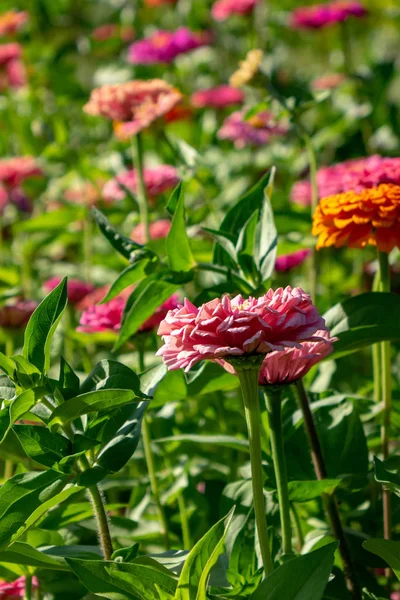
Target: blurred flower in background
x,y
318,16
76,288
255,130
109,31
12,21
157,230
247,69
328,82
287,262
157,181
217,97
12,69
223,9
14,315
165,46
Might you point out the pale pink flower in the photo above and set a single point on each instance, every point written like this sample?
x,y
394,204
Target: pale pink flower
x,y
165,46
13,171
217,97
256,130
76,288
157,181
395,596
223,9
237,327
158,230
287,262
328,82
16,313
318,16
86,193
9,52
12,21
15,589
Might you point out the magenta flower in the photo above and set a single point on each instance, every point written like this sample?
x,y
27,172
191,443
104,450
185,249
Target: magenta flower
x,y
12,21
158,230
256,130
165,46
287,262
217,97
76,288
12,69
323,15
157,181
13,171
15,589
16,314
237,327
223,9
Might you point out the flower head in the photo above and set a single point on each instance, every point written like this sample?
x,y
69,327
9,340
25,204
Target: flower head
x,y
287,262
323,15
12,21
237,327
217,97
12,70
16,589
247,69
133,105
16,314
223,9
256,130
328,82
157,180
13,171
158,230
165,46
76,288
353,219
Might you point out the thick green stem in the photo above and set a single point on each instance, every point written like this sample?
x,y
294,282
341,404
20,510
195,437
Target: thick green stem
x,y
297,525
328,501
249,384
384,270
186,537
137,148
28,587
273,399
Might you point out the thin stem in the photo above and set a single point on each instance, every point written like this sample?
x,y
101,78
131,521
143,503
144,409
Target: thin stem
x,y
384,270
249,384
8,469
28,587
186,537
273,399
137,150
87,246
328,501
297,525
312,164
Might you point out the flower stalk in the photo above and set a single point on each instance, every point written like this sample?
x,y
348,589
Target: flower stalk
x,y
248,378
137,151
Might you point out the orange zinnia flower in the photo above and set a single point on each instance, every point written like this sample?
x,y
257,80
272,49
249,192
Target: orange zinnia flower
x,y
353,219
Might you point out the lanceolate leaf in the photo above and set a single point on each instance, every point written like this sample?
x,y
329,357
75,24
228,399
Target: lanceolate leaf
x,y
21,405
180,257
122,244
111,374
42,324
21,553
41,445
132,274
386,549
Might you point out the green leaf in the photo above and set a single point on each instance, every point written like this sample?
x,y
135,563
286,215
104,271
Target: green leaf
x,y
132,274
8,416
7,388
225,240
126,554
303,491
363,320
389,479
41,445
301,578
174,198
266,240
105,399
111,374
7,365
122,244
152,295
68,380
20,553
386,549
180,257
226,441
124,581
26,374
192,584
41,327
56,220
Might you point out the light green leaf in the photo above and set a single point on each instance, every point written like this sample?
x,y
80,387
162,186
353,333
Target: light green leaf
x,y
180,257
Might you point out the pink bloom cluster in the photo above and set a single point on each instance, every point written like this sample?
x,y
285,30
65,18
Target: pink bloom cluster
x,y
76,288
157,180
237,327
223,9
158,230
318,16
12,70
12,21
13,171
108,316
165,46
16,314
15,589
256,130
217,97
287,262
351,175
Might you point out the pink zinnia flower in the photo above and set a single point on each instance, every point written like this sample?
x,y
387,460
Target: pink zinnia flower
x,y
12,21
217,97
15,589
165,46
86,193
12,70
76,288
395,596
287,262
16,314
157,180
237,327
328,82
256,130
223,9
323,15
13,171
158,230
9,52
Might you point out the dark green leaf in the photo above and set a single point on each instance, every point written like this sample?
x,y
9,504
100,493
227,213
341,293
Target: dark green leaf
x,y
122,244
20,553
180,257
386,549
302,491
41,445
111,374
132,274
68,380
389,479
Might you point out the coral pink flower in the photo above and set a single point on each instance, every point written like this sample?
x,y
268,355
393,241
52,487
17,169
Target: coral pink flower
x,y
287,262
15,589
217,97
155,3
157,180
9,52
395,596
323,15
237,327
13,171
85,193
12,70
256,130
328,82
165,46
16,314
158,230
76,288
12,21
223,9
